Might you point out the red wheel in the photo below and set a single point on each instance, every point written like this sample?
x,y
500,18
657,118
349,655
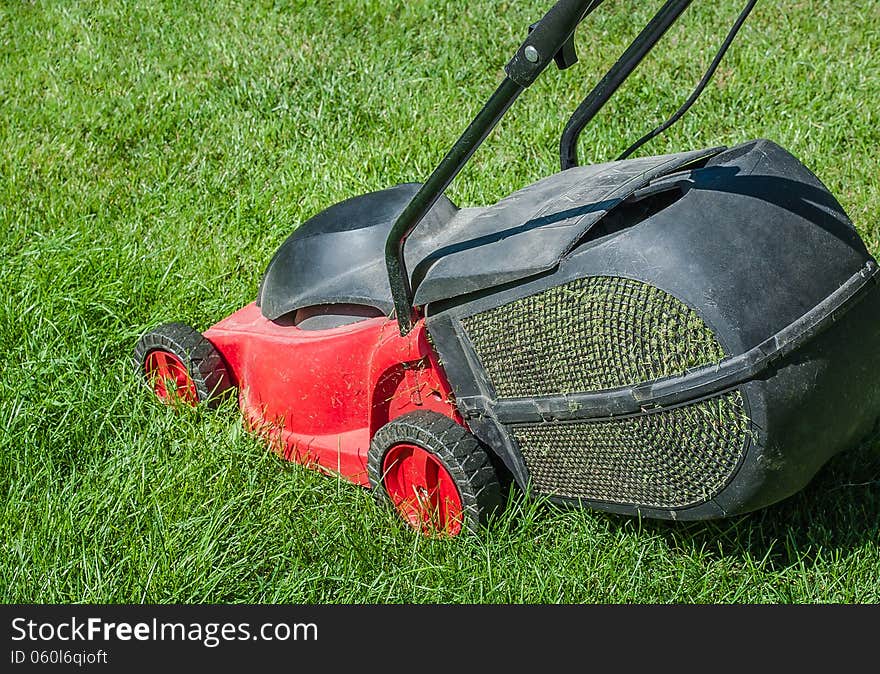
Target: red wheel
x,y
169,379
437,475
181,366
422,490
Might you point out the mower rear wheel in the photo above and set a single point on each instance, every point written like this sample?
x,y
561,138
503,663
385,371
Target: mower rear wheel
x,y
181,366
435,473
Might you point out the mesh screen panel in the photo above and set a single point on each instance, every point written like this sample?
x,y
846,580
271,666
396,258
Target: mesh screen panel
x,y
598,333
667,459
589,334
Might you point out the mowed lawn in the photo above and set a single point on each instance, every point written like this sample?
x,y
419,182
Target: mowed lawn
x,y
153,155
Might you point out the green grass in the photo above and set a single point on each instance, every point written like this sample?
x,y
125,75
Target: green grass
x,y
154,154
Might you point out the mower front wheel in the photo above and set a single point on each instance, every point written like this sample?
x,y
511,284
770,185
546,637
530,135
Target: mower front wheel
x,y
435,473
181,366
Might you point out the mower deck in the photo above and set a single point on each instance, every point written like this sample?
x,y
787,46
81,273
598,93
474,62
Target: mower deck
x,y
318,396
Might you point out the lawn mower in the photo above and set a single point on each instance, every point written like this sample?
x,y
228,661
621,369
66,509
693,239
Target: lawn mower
x,y
688,336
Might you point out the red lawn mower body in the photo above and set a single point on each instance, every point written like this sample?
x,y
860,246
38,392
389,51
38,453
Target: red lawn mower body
x,y
319,396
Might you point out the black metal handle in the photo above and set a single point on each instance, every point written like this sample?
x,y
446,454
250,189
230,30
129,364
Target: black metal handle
x,y
547,39
430,191
619,72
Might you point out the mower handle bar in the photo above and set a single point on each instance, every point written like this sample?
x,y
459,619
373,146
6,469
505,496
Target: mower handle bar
x,y
547,39
551,38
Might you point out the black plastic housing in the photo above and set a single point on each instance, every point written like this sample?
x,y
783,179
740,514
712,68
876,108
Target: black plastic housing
x,y
762,252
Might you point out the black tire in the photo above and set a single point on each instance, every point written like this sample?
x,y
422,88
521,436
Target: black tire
x,y
465,459
203,362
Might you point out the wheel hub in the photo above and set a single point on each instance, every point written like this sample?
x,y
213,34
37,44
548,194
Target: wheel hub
x,y
422,490
169,378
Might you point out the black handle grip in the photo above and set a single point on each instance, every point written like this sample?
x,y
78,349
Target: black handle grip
x,y
547,39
